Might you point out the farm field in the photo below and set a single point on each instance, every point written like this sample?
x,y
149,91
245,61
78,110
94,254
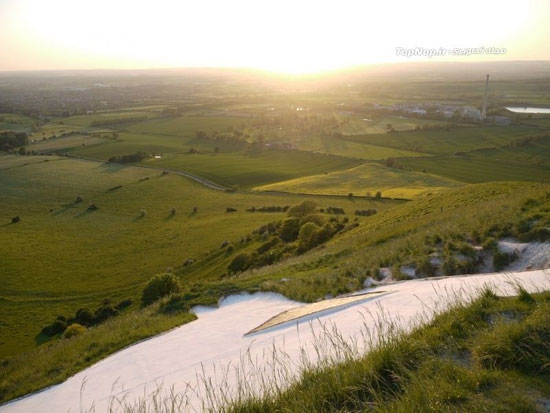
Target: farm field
x,y
357,126
248,170
65,143
15,123
448,142
474,169
345,147
186,125
367,179
111,252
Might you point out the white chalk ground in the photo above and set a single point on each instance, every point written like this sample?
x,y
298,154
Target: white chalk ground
x,y
214,346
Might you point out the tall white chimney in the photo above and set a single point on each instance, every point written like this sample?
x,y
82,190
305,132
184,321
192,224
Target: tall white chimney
x,y
484,104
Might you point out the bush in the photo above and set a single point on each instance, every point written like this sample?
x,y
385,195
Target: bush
x,y
335,211
124,304
502,260
378,194
104,313
74,330
85,317
290,229
365,212
173,211
92,207
240,263
142,213
159,286
302,209
307,235
78,199
229,209
427,268
450,265
315,218
15,220
57,327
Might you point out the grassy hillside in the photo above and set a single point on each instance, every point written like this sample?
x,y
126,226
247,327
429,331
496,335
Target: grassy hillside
x,y
366,179
115,261
108,253
488,355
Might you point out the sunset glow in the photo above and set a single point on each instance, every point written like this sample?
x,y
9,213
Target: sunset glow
x,y
284,36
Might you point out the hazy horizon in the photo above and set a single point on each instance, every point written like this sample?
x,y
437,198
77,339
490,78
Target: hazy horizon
x,y
304,38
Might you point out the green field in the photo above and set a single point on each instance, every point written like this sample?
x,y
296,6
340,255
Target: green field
x,y
366,179
62,144
62,257
356,126
448,142
345,147
15,123
474,169
87,120
248,170
186,125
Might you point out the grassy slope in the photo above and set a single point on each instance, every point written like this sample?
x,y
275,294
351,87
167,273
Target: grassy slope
x,y
398,234
56,262
489,355
367,178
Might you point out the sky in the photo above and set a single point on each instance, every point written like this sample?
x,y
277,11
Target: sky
x,y
277,35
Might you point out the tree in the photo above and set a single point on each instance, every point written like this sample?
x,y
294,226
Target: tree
x,y
159,286
378,194
290,229
303,209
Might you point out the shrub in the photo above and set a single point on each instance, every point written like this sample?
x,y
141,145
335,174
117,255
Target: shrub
x,y
449,266
335,211
104,313
92,207
173,211
303,209
502,260
142,213
365,212
307,234
15,220
84,316
124,304
427,268
290,229
159,286
74,330
315,218
78,199
175,304
378,194
57,327
229,209
240,263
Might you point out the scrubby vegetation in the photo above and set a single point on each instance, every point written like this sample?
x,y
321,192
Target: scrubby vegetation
x,y
303,230
85,317
133,158
12,140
